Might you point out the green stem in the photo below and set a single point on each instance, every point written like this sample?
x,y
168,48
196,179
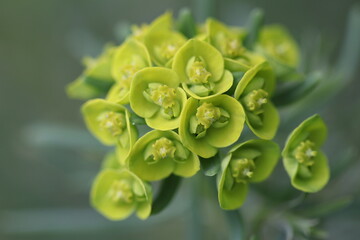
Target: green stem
x,y
205,9
235,220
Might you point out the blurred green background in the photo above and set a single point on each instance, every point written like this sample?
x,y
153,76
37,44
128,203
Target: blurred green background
x,y
48,159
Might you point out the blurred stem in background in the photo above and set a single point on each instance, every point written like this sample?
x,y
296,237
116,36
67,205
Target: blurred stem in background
x,y
205,9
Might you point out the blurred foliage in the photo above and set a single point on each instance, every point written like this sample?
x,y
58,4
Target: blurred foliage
x,y
49,159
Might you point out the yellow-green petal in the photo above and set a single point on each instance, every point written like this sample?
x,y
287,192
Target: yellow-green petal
x,y
230,197
308,172
118,205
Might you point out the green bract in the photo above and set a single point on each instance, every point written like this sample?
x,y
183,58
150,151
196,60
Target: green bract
x,y
158,154
118,193
161,23
281,50
251,161
111,161
109,122
200,67
128,59
305,163
254,91
96,79
163,46
156,96
229,41
211,123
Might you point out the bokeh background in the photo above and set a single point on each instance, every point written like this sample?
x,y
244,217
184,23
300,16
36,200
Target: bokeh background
x,y
48,159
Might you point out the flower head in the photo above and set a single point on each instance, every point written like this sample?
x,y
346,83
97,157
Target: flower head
x,y
212,123
118,193
280,49
304,162
109,122
158,154
200,67
155,95
129,58
253,91
251,161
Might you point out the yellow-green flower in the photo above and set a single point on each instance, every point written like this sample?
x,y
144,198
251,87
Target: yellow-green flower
x,y
158,154
251,161
228,40
109,122
281,50
96,79
211,123
163,46
116,194
161,23
254,92
156,96
304,162
129,58
200,67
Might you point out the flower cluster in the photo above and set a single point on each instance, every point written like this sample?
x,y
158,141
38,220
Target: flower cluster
x,y
196,89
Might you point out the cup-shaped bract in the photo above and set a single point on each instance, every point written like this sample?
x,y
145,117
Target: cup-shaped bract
x,y
96,79
156,96
251,161
111,161
254,92
164,22
200,67
211,123
281,50
305,163
163,46
110,124
228,40
158,154
116,194
129,58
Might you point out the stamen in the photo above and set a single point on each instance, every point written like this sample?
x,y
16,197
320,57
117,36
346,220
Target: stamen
x,y
242,169
120,191
305,154
233,48
207,114
169,49
163,148
255,100
113,122
127,73
198,73
163,96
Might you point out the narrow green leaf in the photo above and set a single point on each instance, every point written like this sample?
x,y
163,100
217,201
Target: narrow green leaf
x,y
256,21
296,91
186,23
210,166
166,193
326,208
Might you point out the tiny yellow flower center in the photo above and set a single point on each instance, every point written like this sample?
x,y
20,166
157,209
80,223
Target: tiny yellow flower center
x,y
168,50
232,47
305,154
127,72
242,169
207,114
198,73
113,122
120,191
255,100
163,148
163,95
